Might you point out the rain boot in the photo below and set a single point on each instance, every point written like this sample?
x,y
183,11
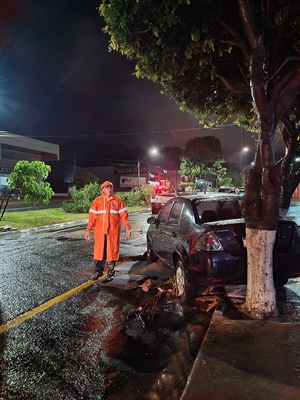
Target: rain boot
x,y
110,269
98,269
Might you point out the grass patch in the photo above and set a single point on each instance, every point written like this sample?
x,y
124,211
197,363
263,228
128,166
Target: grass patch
x,y
47,216
34,218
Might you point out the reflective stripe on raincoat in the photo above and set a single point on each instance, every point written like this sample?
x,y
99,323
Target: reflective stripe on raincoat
x,y
105,217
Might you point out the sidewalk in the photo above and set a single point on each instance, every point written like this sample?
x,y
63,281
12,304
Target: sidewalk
x,y
249,359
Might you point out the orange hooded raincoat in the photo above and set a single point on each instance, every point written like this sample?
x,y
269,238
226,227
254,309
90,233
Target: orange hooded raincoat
x,y
105,217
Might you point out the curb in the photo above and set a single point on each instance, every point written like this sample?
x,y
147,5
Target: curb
x,y
52,227
55,227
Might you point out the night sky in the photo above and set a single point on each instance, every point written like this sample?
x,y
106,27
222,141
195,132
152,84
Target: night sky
x,y
59,83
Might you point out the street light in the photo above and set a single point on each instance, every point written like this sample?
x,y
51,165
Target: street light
x,y
151,152
246,149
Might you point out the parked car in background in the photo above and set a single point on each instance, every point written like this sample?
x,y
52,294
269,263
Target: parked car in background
x,y
202,237
240,191
226,189
161,198
14,194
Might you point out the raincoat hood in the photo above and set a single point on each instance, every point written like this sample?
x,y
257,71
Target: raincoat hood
x,y
106,183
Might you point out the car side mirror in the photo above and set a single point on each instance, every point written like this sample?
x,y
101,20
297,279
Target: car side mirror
x,y
151,220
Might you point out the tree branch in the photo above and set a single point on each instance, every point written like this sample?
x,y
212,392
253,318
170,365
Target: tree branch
x,y
238,41
281,66
279,87
142,32
296,48
232,88
281,29
246,14
286,132
258,52
288,94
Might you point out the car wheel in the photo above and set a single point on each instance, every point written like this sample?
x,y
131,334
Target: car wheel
x,y
185,291
280,282
150,252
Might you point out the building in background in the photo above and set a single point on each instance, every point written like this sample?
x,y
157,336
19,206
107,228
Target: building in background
x,y
14,148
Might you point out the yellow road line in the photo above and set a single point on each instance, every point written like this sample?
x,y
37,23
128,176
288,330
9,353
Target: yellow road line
x,y
50,303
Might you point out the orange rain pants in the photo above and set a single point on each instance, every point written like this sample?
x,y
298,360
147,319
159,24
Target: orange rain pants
x,y
105,217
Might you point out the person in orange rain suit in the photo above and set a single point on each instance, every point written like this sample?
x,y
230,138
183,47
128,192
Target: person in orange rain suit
x,y
105,216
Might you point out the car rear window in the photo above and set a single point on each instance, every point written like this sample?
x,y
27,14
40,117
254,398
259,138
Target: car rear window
x,y
218,210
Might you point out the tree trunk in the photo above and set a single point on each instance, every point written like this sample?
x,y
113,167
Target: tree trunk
x,y
261,202
261,213
261,296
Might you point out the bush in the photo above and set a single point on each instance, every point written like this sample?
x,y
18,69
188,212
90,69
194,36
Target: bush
x,y
85,179
82,199
138,196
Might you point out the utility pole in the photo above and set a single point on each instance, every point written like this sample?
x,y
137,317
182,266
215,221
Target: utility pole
x,y
74,168
139,172
153,151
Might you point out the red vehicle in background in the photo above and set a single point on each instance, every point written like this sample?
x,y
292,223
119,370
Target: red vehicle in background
x,y
240,191
163,192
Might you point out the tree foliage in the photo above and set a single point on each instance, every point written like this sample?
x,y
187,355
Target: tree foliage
x,y
192,169
205,150
184,46
200,154
235,175
84,179
221,173
30,178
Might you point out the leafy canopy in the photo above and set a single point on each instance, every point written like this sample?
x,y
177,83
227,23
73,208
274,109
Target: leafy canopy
x,y
192,169
177,44
205,150
200,154
200,52
221,173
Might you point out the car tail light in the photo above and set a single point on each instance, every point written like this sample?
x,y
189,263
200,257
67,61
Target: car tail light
x,y
209,242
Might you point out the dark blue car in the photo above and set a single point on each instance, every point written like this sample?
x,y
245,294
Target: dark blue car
x,y
202,237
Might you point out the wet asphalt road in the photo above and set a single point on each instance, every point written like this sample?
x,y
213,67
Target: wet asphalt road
x,y
56,353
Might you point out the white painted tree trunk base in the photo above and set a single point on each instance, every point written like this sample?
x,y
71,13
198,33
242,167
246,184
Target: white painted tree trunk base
x,y
261,295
